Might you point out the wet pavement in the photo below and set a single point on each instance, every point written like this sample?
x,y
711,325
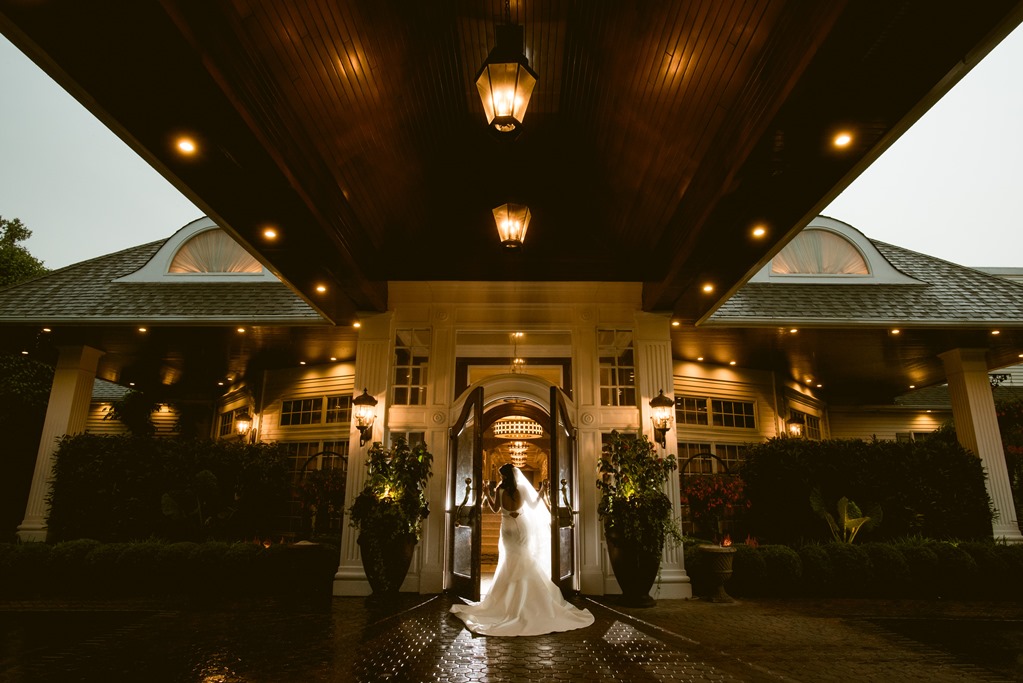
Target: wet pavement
x,y
415,639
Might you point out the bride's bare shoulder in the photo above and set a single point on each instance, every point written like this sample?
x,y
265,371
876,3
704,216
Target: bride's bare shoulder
x,y
511,501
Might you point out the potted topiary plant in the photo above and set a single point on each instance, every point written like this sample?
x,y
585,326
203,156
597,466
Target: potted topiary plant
x,y
389,512
638,516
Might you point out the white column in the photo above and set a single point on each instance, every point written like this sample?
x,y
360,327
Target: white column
x,y
654,373
973,412
372,360
66,413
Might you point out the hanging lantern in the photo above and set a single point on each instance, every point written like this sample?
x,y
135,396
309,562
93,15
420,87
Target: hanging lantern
x,y
364,413
662,408
505,82
512,222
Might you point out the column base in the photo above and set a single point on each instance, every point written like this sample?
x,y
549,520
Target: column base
x,y
32,533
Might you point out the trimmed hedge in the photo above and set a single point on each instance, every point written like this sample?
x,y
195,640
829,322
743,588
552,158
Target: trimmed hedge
x,y
126,488
909,568
87,568
934,488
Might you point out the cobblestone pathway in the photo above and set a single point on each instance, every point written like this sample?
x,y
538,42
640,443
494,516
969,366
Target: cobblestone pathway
x,y
414,639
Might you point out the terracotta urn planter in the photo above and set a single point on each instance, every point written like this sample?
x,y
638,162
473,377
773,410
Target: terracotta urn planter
x,y
720,564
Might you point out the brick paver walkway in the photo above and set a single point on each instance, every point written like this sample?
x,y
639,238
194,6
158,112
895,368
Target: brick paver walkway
x,y
415,639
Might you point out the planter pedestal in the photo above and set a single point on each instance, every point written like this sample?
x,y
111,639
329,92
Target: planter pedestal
x,y
720,568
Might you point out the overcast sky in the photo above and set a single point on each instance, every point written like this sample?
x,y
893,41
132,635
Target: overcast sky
x,y
951,187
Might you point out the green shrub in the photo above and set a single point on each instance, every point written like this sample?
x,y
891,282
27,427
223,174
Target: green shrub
x,y
175,561
783,570
1012,556
959,569
925,574
70,563
26,569
890,576
851,571
748,572
104,569
818,575
995,581
932,487
120,488
139,565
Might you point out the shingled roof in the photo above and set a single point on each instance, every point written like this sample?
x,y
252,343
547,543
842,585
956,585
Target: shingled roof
x,y
948,295
88,292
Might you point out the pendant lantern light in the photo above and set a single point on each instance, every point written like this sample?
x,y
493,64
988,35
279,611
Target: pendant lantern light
x,y
505,82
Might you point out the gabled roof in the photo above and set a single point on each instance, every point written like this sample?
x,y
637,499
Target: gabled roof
x,y
87,293
947,295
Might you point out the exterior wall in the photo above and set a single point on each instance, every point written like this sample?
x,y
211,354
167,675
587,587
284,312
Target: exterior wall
x,y
336,379
733,384
165,421
885,423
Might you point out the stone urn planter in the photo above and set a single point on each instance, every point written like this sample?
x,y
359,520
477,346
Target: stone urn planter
x,y
720,565
635,570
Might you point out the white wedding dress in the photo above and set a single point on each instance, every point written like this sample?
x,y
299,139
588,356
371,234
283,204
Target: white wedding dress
x,y
523,601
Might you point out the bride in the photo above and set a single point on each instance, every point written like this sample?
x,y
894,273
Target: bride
x,y
523,600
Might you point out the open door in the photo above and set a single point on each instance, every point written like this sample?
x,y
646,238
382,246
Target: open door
x,y
467,479
562,491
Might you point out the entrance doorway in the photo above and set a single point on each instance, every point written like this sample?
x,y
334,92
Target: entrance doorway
x,y
539,441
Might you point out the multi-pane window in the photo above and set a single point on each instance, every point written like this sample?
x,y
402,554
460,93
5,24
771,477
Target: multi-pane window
x,y
720,458
301,411
697,410
310,411
411,362
226,426
412,438
811,424
305,457
617,368
733,414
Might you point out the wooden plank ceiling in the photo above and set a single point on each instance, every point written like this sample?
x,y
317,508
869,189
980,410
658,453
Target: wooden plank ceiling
x,y
658,135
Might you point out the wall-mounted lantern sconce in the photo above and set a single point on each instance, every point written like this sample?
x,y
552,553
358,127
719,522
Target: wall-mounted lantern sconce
x,y
365,414
512,222
505,82
795,425
242,422
662,417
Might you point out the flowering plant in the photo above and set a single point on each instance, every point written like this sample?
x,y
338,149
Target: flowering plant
x,y
709,496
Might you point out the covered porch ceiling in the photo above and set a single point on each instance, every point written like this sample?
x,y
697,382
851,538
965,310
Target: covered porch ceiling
x,y
658,136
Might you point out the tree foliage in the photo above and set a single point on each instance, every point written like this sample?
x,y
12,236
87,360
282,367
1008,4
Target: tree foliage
x,y
16,263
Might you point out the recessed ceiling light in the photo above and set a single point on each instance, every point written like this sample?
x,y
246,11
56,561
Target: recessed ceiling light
x,y
912,386
220,384
809,381
333,357
24,353
842,139
301,362
819,386
793,330
131,384
708,288
143,329
700,358
186,146
241,329
731,362
675,323
996,331
896,331
47,329
759,231
321,288
356,324
270,233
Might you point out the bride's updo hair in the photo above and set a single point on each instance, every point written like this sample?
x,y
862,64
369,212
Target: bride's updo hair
x,y
508,477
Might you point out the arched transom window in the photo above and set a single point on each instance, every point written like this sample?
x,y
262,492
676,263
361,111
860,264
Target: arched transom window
x,y
213,251
819,252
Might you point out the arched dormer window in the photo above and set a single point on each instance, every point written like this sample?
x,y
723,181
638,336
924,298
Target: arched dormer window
x,y
819,252
201,252
213,251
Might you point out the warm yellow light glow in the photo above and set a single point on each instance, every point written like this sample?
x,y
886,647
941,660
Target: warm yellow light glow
x,y
270,233
996,331
842,139
143,329
130,384
731,362
759,231
333,358
794,330
896,331
301,362
220,384
356,324
675,323
912,386
699,358
518,334
241,329
186,146
819,386
708,288
47,329
24,353
321,288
